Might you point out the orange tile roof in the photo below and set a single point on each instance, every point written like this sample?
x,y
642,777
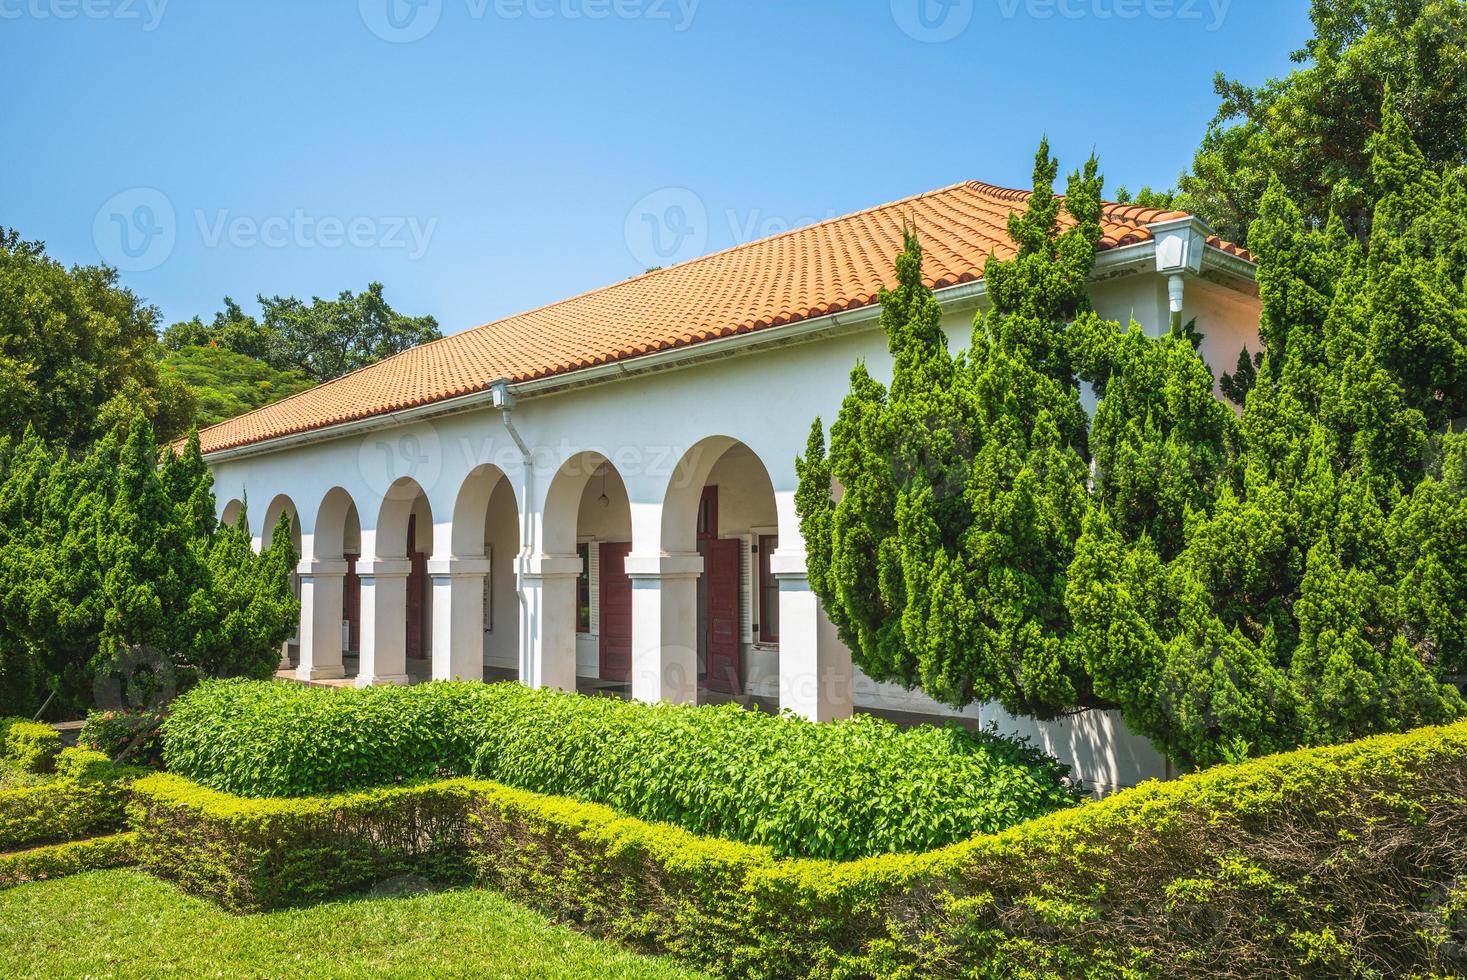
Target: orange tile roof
x,y
836,265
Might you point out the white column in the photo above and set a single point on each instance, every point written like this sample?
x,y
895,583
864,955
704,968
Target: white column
x,y
384,621
547,585
815,676
322,585
458,618
665,626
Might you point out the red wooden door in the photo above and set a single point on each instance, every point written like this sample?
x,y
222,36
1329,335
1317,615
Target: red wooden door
x,y
417,584
352,601
723,615
616,613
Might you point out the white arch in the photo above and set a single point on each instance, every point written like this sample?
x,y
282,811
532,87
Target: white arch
x,y
392,519
282,504
232,512
684,492
561,515
471,511
333,518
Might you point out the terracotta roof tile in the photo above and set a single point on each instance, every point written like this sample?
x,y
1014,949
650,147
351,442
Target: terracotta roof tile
x,y
804,273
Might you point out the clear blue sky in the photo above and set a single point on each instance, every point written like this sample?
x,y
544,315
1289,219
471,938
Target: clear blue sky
x,y
521,151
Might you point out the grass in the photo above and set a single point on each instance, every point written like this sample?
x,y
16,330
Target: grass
x,y
127,924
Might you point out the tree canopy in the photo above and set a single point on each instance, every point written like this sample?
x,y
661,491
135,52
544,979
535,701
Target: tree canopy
x,y
77,351
1311,130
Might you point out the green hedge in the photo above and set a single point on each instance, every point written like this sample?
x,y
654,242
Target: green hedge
x,y
836,791
256,854
87,798
61,860
1343,861
277,738
28,745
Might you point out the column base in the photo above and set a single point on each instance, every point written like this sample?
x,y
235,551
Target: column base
x,y
398,679
319,673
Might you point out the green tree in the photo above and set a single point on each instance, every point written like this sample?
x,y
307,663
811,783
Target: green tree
x,y
111,564
1311,130
227,384
77,351
1232,585
328,338
962,487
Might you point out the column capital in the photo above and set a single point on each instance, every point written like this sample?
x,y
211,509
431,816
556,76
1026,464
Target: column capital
x,y
787,564
446,567
321,567
384,567
549,566
675,565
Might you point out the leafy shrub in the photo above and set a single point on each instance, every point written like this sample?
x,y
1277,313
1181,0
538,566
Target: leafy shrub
x,y
29,745
133,737
60,860
1348,860
836,791
87,797
283,739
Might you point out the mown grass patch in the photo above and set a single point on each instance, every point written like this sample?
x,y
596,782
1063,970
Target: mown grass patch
x,y
127,924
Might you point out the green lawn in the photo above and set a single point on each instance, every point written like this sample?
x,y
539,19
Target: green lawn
x,y
125,923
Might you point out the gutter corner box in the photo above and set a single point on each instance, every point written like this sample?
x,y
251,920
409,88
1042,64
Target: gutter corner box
x,y
1179,245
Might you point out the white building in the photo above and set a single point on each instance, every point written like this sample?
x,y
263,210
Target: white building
x,y
601,492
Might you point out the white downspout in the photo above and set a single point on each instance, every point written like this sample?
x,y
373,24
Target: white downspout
x,y
505,401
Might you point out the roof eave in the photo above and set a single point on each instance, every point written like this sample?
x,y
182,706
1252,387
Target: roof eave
x,y
1109,264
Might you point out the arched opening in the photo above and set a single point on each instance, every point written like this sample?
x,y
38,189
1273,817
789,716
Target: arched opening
x,y
232,513
720,504
282,504
338,538
588,516
486,539
403,542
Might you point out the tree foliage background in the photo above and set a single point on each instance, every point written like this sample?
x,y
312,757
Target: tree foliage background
x,y
1233,584
1311,129
237,363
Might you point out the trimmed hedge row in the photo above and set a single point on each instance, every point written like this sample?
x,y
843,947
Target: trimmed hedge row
x,y
258,854
1343,861
88,797
61,860
837,791
264,738
28,745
